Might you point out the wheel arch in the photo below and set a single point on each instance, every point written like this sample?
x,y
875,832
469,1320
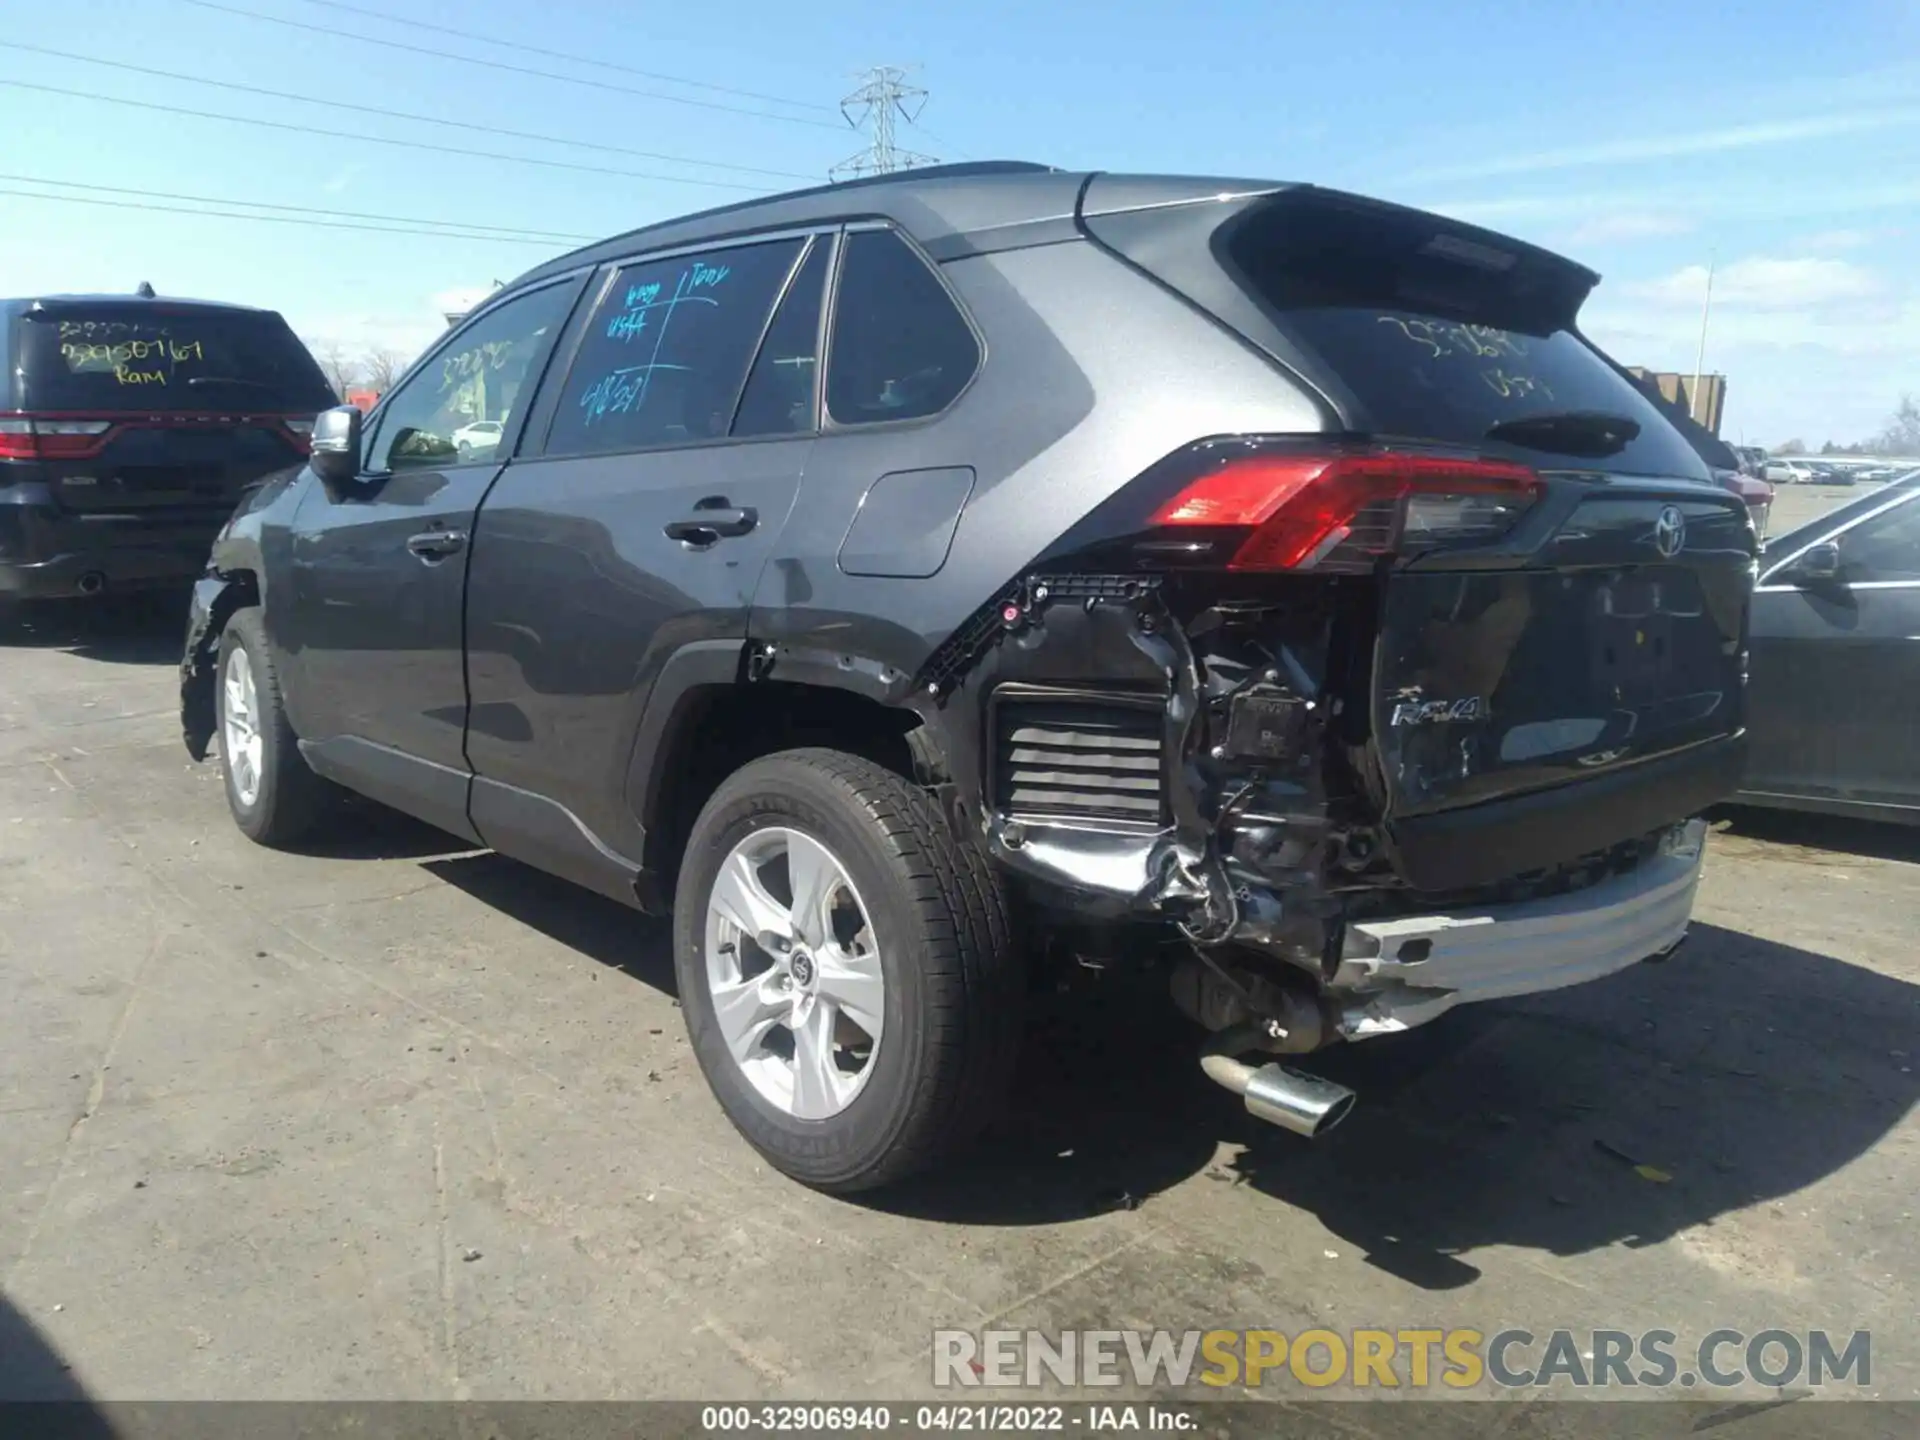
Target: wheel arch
x,y
217,597
717,705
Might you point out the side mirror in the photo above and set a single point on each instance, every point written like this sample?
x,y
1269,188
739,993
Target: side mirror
x,y
335,447
1819,566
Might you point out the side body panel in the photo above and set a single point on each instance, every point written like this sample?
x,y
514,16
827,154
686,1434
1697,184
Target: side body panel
x,y
577,598
374,629
1091,373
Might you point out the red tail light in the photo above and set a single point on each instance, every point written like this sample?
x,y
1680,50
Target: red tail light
x,y
23,438
300,431
1343,511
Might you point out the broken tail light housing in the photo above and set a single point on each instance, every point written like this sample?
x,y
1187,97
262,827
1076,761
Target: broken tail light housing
x,y
1335,510
26,437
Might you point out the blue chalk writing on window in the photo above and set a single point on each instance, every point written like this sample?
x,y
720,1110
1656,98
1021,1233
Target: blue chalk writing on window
x,y
644,298
620,392
627,324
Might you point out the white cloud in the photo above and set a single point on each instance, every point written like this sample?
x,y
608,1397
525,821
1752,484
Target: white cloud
x,y
1827,241
1763,283
1813,347
1620,226
1679,142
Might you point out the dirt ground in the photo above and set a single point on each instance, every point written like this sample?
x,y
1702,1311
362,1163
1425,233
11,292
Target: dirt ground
x,y
400,1120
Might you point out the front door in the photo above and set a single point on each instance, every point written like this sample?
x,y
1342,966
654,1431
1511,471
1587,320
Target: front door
x,y
1836,670
372,630
641,525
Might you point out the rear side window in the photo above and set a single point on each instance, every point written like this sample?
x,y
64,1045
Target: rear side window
x,y
901,349
665,355
779,398
1441,337
125,357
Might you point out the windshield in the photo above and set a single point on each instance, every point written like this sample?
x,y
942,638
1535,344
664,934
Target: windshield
x,y
181,358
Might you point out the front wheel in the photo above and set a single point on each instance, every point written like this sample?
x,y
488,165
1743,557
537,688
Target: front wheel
x,y
275,799
847,969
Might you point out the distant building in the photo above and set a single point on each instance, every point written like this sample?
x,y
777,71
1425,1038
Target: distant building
x,y
1677,389
363,399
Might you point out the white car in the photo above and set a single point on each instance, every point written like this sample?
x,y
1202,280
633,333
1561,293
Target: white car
x,y
481,435
1786,472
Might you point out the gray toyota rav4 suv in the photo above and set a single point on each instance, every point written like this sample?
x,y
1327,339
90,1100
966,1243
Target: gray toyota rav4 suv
x,y
915,583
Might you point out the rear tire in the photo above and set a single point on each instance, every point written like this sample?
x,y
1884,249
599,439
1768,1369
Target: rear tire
x,y
897,985
275,799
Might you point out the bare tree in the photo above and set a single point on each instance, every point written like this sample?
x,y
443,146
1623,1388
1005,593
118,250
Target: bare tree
x,y
1902,435
341,370
382,367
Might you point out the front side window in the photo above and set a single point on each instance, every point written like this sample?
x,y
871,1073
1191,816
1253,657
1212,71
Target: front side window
x,y
1887,547
665,355
454,410
901,349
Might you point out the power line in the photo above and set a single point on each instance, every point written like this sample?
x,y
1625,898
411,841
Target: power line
x,y
514,231
525,48
376,139
271,219
281,94
511,69
942,142
876,104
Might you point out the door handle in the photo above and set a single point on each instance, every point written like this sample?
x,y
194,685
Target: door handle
x,y
708,524
432,545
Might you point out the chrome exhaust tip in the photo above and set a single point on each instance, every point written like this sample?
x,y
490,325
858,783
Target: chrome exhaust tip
x,y
1292,1099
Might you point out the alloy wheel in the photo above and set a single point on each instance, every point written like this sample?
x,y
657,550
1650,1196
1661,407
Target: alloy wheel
x,y
794,970
240,738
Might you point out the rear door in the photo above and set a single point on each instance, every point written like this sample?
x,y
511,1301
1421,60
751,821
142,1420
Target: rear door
x,y
656,474
372,624
188,403
1836,667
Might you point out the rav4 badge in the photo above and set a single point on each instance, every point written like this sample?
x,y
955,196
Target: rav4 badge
x,y
1433,712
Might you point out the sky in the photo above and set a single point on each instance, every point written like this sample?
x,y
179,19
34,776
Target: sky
x,y
1778,143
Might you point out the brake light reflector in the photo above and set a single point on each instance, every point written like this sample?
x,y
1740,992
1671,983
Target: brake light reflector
x,y
1344,511
26,438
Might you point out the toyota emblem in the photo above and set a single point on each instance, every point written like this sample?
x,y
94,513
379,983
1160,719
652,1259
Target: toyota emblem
x,y
1670,532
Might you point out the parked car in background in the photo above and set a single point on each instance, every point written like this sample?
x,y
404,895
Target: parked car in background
x,y
1756,495
481,438
1833,475
1835,684
130,425
1788,472
993,541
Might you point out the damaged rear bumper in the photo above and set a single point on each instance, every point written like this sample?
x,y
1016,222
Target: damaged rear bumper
x,y
1403,972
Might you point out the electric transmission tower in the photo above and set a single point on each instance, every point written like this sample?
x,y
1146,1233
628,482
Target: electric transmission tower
x,y
885,97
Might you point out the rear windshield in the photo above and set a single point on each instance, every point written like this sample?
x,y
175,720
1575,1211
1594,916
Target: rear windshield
x,y
1440,335
178,358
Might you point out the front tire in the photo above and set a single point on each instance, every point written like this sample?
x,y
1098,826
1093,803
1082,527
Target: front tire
x,y
275,799
847,969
